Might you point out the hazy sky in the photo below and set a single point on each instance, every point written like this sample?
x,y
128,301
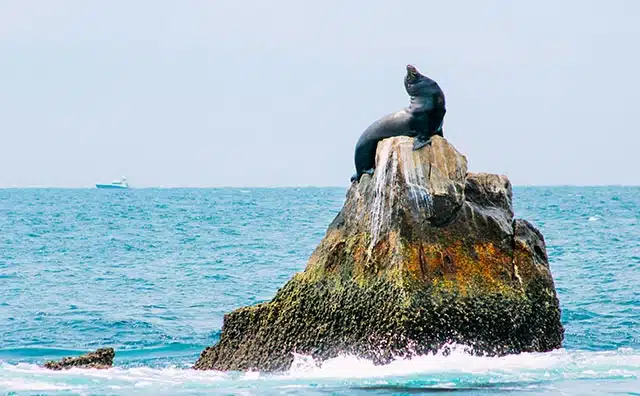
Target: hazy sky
x,y
276,93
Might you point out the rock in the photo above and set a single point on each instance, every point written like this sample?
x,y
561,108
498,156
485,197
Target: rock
x,y
100,359
423,254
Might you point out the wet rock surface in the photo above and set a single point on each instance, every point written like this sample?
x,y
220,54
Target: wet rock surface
x,y
422,254
100,359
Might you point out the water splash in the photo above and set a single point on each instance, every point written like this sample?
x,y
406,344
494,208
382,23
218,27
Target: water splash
x,y
560,364
455,370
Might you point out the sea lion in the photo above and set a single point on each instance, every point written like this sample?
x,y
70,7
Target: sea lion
x,y
421,120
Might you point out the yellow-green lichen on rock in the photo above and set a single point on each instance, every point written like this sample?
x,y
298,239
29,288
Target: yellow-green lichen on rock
x,y
422,254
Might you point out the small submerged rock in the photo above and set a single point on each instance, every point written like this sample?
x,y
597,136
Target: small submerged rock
x,y
423,254
100,359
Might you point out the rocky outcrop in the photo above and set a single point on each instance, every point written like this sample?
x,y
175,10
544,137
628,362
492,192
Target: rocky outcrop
x,y
100,359
423,254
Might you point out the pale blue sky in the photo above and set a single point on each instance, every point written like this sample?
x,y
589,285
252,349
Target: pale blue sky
x,y
276,93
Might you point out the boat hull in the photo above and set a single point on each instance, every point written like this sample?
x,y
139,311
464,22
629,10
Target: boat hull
x,y
111,186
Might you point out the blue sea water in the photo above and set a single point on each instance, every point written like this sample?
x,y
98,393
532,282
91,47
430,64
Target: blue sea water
x,y
151,272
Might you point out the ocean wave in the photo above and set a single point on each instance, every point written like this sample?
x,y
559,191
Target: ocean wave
x,y
457,371
562,363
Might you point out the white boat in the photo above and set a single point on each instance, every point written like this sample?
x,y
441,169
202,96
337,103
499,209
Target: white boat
x,y
122,183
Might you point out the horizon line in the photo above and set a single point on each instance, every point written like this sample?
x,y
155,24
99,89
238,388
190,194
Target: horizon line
x,y
276,187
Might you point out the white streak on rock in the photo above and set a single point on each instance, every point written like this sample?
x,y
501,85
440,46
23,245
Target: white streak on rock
x,y
416,180
385,175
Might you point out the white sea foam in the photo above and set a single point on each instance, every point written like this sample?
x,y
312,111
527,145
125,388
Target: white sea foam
x,y
25,384
570,363
458,369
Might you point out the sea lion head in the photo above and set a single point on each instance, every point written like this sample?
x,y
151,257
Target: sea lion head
x,y
417,84
413,74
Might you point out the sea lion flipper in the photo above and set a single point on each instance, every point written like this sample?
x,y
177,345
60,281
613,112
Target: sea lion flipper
x,y
419,142
357,177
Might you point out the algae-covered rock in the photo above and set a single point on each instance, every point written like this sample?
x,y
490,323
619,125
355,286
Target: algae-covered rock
x,y
99,359
422,254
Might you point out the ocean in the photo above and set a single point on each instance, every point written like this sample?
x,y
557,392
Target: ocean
x,y
151,272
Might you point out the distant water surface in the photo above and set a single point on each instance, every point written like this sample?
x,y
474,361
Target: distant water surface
x,y
151,272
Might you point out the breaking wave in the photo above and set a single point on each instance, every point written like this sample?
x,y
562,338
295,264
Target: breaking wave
x,y
458,371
